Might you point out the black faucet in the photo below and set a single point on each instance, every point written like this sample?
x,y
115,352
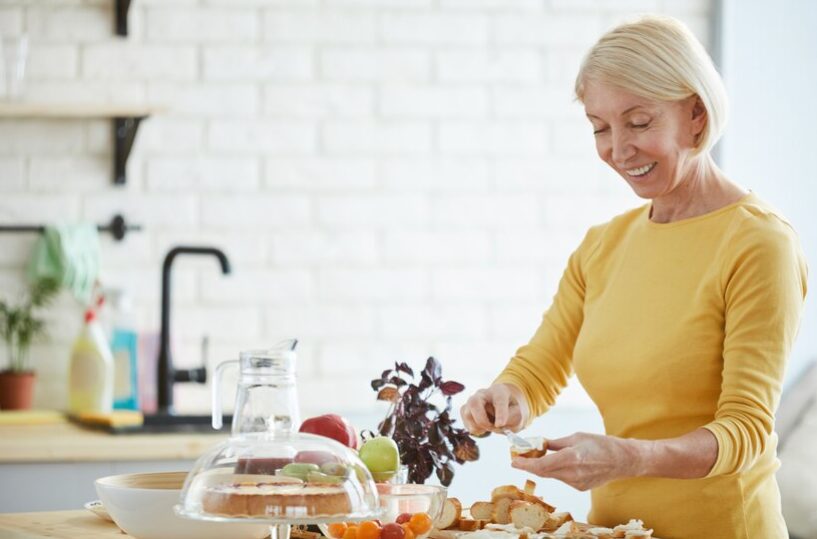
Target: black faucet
x,y
166,374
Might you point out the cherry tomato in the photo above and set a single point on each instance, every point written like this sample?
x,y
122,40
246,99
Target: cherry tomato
x,y
392,531
350,533
420,523
408,531
402,518
337,529
368,530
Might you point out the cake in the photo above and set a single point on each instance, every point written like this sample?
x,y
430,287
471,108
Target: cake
x,y
271,498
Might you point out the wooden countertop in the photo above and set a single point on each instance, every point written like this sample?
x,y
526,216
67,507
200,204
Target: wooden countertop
x,y
67,442
58,525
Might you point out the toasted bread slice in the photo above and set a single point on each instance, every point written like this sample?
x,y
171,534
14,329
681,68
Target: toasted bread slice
x,y
506,491
537,500
555,520
482,510
502,510
452,511
540,446
567,529
600,533
530,487
469,525
528,515
514,493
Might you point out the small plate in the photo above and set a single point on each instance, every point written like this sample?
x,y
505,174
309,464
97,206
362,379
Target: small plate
x,y
98,509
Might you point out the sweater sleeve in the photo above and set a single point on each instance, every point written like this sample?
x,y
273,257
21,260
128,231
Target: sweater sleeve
x,y
764,289
542,367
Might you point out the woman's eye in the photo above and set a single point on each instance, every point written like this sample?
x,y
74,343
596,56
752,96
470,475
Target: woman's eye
x,y
640,126
599,130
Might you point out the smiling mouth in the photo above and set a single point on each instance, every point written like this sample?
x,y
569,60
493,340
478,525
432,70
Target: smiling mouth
x,y
640,171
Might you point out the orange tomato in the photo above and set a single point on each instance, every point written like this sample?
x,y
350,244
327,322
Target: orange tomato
x,y
368,530
420,523
409,532
337,529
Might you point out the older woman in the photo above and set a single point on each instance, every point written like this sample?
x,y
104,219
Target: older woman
x,y
676,316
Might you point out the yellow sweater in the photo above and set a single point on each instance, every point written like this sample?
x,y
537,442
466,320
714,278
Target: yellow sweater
x,y
670,328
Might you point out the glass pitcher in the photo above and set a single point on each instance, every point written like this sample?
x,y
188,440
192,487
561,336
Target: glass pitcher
x,y
266,399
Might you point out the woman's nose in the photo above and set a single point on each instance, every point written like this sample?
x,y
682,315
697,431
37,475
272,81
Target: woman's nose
x,y
622,148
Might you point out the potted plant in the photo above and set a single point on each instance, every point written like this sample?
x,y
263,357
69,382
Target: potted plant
x,y
18,327
424,431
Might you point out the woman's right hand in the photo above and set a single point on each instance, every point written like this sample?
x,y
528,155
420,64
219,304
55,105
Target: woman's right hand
x,y
494,409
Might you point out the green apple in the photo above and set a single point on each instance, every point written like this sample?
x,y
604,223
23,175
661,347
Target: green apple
x,y
381,456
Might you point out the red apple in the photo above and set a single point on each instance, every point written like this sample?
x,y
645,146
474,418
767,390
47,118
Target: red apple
x,y
332,426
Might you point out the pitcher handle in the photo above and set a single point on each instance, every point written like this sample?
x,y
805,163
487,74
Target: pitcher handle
x,y
218,415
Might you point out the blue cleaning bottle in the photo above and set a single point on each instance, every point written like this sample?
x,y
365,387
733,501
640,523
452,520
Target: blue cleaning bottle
x,y
124,347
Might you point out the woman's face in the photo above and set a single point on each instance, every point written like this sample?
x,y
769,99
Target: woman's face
x,y
649,143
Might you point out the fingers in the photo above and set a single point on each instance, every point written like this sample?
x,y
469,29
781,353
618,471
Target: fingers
x,y
555,466
556,444
474,413
501,401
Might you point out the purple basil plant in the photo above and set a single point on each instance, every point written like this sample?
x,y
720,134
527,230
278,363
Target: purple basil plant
x,y
424,431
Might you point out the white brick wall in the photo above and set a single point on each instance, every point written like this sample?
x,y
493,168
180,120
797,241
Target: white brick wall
x,y
390,178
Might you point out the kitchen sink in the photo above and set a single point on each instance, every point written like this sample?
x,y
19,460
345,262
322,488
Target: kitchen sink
x,y
167,423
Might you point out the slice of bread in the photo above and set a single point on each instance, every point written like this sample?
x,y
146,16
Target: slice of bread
x,y
470,524
530,487
567,529
514,493
506,491
451,514
528,515
502,510
540,446
601,533
556,520
537,500
482,510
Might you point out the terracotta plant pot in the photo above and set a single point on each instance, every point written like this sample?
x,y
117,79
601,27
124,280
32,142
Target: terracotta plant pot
x,y
16,390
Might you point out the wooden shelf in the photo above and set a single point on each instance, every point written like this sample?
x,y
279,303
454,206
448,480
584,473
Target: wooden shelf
x,y
68,110
125,120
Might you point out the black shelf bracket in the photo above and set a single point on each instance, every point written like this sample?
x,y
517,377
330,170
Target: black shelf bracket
x,y
122,7
124,134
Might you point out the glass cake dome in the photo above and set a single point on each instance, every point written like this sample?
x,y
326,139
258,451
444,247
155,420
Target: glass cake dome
x,y
280,478
266,471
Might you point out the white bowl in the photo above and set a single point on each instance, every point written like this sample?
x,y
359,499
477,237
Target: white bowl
x,y
142,505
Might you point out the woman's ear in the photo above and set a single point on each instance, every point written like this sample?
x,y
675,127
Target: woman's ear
x,y
699,117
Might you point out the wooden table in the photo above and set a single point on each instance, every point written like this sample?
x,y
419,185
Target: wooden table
x,y
80,524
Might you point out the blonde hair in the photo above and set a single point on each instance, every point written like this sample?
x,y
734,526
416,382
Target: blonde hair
x,y
659,58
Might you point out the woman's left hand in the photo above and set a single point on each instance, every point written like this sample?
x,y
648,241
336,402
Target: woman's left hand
x,y
585,461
